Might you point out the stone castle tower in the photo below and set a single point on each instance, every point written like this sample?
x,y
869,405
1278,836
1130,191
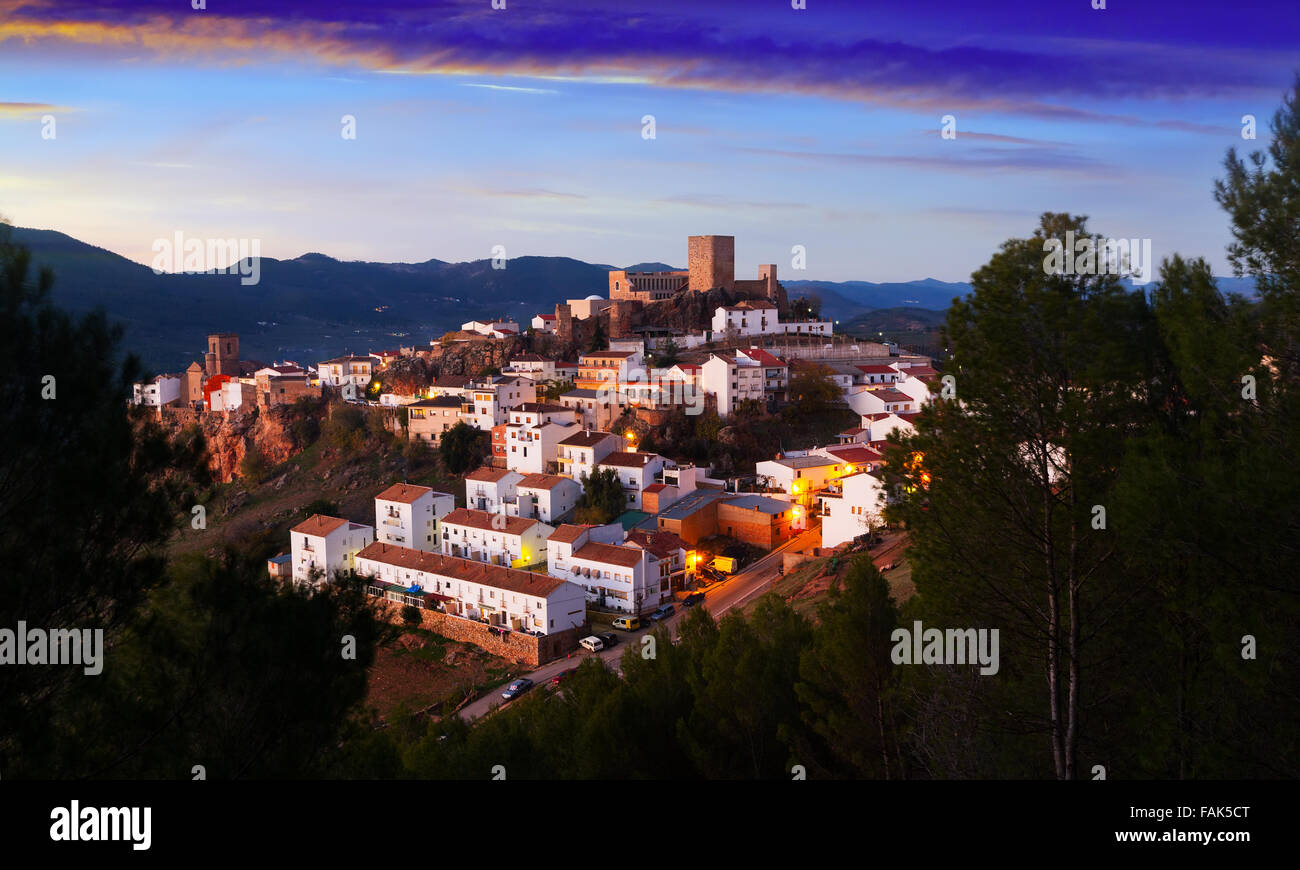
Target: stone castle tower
x,y
711,262
222,357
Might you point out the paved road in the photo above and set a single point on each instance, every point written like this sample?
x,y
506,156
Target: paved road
x,y
722,597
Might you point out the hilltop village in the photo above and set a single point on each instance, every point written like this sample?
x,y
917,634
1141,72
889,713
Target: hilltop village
x,y
579,503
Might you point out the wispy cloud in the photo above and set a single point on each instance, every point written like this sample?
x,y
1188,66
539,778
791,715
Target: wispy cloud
x,y
26,111
514,88
974,160
676,44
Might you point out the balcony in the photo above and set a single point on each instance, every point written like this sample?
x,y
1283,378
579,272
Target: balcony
x,y
393,521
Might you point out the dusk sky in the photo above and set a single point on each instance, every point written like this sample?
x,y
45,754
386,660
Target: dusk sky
x,y
522,127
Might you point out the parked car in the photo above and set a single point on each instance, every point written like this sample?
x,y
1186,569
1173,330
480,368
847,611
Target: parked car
x,y
693,599
608,638
592,643
628,623
562,676
709,574
517,688
662,612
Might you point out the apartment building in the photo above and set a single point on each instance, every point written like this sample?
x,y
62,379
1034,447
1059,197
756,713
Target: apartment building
x,y
580,453
428,419
500,596
486,403
615,576
494,538
349,374
321,546
490,489
547,497
533,434
408,515
732,380
635,471
852,507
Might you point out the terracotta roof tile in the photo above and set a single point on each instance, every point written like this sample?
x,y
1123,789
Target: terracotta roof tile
x,y
488,522
497,576
406,493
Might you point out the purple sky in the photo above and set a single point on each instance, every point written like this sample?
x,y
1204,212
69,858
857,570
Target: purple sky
x,y
523,127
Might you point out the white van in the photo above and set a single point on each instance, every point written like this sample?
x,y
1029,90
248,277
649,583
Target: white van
x,y
593,643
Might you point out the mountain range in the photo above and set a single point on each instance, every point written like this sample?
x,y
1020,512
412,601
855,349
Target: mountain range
x,y
314,307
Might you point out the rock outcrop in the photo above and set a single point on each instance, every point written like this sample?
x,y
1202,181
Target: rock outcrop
x,y
230,437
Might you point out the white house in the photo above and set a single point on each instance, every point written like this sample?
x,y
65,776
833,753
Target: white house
x,y
882,400
546,497
748,317
879,426
544,322
407,515
667,555
531,365
855,457
635,472
732,380
578,455
233,394
494,538
615,576
760,317
501,597
878,374
492,328
854,508
350,374
915,388
162,390
489,489
487,402
534,433
776,372
326,544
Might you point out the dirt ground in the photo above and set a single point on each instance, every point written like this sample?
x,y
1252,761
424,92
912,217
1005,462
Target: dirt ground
x,y
419,669
806,586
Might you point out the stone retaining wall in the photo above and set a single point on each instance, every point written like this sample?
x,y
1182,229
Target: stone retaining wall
x,y
523,648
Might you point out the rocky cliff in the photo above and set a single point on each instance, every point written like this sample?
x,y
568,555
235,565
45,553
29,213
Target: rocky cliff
x,y
229,438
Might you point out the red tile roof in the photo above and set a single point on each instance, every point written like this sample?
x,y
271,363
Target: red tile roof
x,y
539,408
541,481
318,524
662,544
497,576
610,554
488,522
567,533
877,370
406,493
855,455
586,438
625,459
761,356
484,474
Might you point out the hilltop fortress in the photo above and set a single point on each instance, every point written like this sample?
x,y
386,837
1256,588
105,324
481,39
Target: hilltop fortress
x,y
711,265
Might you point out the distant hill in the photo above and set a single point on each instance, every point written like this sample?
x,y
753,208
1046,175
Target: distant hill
x,y
653,267
889,320
843,299
314,306
305,309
